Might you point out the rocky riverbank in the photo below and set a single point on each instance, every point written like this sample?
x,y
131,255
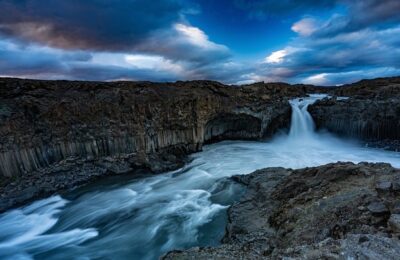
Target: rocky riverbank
x,y
56,135
335,211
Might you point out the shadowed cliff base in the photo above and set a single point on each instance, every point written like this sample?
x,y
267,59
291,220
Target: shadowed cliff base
x,y
231,127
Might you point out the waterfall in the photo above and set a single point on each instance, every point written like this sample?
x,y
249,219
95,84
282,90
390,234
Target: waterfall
x,y
175,210
302,124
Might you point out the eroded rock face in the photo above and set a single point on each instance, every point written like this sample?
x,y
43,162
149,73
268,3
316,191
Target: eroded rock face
x,y
330,212
49,130
372,112
364,118
232,126
43,122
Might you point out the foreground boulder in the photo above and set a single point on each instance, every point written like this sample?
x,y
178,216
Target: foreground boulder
x,y
335,211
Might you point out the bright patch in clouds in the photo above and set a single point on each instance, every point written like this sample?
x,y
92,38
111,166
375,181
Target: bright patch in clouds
x,y
279,56
152,63
136,61
196,36
318,79
276,56
305,27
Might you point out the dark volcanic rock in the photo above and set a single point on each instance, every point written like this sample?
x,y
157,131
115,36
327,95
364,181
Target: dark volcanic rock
x,y
372,112
384,186
124,127
378,208
328,212
47,127
371,119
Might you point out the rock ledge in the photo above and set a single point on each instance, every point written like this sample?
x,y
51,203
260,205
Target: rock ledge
x,y
335,211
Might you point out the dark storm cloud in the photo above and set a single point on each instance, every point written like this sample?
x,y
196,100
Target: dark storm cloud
x,y
12,63
19,60
362,41
88,24
367,12
363,48
185,43
362,14
332,60
34,61
63,39
96,26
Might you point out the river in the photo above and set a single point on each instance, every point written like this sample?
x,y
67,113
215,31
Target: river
x,y
144,218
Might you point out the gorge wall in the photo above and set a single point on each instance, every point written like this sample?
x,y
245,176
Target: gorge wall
x,y
55,135
371,112
45,122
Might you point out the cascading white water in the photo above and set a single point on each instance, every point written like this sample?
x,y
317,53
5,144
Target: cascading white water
x,y
141,219
302,124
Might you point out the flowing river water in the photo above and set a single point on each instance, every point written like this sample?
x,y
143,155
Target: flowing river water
x,y
144,218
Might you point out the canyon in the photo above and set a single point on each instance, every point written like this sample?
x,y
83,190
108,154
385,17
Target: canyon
x,y
57,136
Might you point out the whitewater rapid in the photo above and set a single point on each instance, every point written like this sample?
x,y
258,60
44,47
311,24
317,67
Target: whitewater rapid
x,y
144,218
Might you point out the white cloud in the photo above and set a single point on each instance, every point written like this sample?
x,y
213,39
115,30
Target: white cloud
x,y
279,56
339,78
196,36
318,79
276,56
305,27
185,44
193,34
136,61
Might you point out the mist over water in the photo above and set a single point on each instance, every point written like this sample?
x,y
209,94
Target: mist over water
x,y
144,218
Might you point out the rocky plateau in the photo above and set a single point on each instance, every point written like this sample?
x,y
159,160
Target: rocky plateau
x,y
335,211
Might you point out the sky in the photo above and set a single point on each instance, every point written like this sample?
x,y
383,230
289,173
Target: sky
x,y
324,42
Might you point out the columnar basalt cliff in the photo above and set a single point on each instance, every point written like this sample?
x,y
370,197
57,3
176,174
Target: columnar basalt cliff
x,y
56,134
371,112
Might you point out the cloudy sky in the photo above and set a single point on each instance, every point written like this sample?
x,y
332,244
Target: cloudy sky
x,y
323,42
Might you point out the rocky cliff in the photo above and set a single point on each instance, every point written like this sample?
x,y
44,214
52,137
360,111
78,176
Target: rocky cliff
x,y
57,134
371,112
336,211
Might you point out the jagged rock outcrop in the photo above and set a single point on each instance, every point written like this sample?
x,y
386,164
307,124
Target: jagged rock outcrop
x,y
336,211
372,111
51,130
